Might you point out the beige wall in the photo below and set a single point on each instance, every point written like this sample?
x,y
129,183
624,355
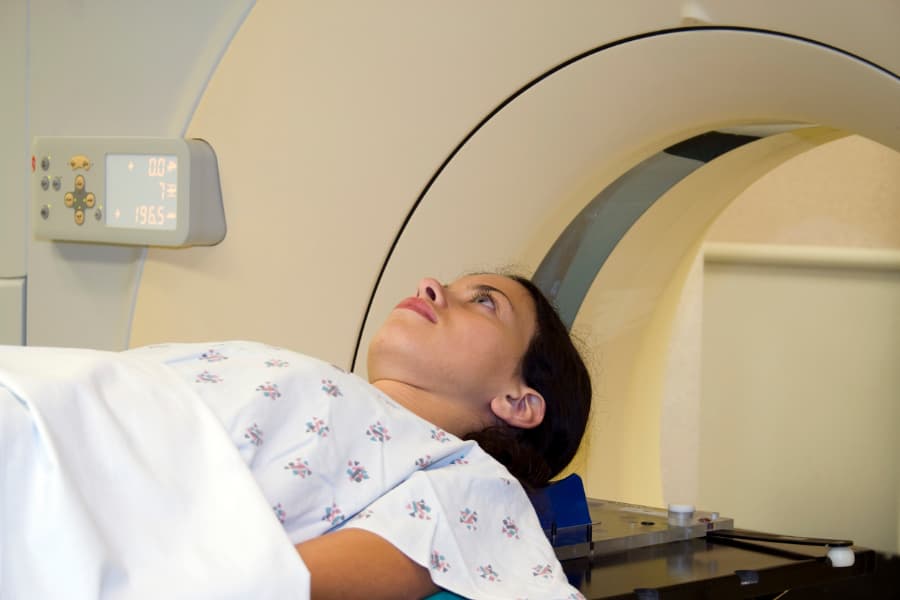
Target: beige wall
x,y
800,404
795,424
845,193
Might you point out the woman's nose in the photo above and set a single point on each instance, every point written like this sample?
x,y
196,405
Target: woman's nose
x,y
433,290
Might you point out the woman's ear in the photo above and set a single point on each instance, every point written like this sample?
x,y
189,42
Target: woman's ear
x,y
524,410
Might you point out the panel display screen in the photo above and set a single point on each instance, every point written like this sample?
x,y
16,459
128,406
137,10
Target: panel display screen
x,y
142,191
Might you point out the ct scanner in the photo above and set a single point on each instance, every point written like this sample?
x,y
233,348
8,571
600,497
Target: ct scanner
x,y
363,145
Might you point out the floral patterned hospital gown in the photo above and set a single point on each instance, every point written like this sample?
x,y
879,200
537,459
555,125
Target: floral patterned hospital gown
x,y
329,450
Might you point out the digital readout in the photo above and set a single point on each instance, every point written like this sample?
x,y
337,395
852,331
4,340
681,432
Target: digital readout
x,y
142,191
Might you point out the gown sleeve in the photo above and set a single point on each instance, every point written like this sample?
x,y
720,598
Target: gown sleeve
x,y
472,526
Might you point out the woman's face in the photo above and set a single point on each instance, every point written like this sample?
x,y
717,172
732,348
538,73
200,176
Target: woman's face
x,y
464,340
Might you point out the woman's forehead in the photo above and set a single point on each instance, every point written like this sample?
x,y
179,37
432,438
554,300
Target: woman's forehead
x,y
515,291
500,282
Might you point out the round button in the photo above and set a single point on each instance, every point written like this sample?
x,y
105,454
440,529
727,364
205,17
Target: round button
x,y
57,183
79,217
45,212
89,200
79,182
45,182
69,199
98,214
45,163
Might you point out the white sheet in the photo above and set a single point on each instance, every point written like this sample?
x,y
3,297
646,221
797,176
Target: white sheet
x,y
117,482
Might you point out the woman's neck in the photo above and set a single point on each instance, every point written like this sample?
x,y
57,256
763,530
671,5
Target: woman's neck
x,y
450,414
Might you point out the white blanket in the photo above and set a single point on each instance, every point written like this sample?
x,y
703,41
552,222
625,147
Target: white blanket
x,y
117,482
188,471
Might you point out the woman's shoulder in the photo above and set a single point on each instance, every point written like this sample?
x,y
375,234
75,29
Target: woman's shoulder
x,y
229,361
241,351
228,375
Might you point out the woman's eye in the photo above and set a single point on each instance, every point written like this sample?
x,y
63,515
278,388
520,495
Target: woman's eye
x,y
485,299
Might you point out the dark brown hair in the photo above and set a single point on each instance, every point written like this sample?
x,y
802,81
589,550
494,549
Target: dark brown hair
x,y
553,366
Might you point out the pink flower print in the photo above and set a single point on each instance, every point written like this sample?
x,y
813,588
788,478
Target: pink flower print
x,y
255,435
419,509
277,363
459,461
333,514
213,356
331,388
576,596
317,426
439,562
423,462
544,571
269,390
366,514
207,377
299,467
440,435
510,528
469,518
488,572
378,432
356,472
279,512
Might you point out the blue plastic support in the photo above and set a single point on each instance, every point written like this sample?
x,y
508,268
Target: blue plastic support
x,y
563,511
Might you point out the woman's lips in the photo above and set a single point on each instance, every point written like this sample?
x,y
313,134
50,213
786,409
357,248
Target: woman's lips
x,y
420,306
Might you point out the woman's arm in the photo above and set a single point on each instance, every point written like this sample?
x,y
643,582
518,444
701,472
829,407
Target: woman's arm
x,y
353,563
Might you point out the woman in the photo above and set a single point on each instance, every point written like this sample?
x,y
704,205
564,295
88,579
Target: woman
x,y
485,358
123,479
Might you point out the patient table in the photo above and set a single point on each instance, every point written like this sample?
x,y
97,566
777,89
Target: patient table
x,y
637,552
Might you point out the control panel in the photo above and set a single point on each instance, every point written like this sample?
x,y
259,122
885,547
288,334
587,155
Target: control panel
x,y
134,191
